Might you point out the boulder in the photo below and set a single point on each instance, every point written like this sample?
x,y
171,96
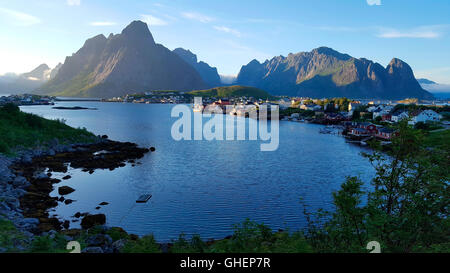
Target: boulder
x,y
21,182
92,250
90,221
64,190
101,240
118,245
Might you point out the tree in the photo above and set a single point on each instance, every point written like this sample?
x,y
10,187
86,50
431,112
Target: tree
x,y
406,210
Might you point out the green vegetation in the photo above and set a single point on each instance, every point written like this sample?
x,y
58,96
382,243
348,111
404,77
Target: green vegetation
x,y
10,237
407,210
439,140
250,237
412,107
290,111
47,244
233,91
76,87
341,102
146,244
22,130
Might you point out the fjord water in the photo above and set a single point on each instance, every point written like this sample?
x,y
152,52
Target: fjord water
x,y
203,187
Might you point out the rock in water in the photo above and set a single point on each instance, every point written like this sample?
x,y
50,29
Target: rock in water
x,y
64,190
90,221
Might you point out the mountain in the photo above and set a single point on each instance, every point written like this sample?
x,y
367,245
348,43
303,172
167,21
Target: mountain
x,y
27,82
233,91
439,90
209,74
324,72
123,63
425,81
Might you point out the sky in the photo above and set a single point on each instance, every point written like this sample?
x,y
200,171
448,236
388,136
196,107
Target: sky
x,y
229,34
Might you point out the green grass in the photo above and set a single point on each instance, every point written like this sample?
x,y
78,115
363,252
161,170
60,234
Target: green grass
x,y
22,130
440,140
233,91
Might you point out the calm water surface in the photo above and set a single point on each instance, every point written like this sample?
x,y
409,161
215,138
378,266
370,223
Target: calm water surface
x,y
202,187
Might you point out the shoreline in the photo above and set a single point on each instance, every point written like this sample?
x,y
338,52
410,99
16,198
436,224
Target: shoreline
x,y
26,183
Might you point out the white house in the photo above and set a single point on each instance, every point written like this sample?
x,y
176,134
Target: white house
x,y
382,110
312,107
398,116
424,116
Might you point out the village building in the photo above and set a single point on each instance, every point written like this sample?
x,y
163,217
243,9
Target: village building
x,y
424,116
399,116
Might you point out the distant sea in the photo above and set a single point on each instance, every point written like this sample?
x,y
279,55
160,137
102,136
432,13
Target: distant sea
x,y
442,95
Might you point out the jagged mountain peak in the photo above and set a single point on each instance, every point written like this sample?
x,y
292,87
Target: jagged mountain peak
x,y
138,31
186,54
209,74
323,50
127,62
325,72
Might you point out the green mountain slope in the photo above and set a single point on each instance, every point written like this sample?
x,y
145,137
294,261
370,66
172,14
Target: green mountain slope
x,y
232,91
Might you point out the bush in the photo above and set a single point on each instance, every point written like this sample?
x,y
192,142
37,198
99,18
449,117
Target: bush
x,y
10,108
146,244
196,245
46,244
34,121
3,147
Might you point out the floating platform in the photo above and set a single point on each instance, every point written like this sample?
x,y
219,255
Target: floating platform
x,y
144,198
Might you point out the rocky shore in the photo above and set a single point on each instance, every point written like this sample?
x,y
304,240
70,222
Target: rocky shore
x,y
26,183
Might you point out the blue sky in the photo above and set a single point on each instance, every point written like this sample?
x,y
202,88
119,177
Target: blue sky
x,y
228,34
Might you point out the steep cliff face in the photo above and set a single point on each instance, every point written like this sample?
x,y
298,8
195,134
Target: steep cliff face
x,y
120,64
324,72
209,74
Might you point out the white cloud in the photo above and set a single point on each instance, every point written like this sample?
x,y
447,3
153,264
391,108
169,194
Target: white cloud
x,y
153,20
228,30
423,32
73,2
374,2
228,79
197,17
102,24
434,88
18,18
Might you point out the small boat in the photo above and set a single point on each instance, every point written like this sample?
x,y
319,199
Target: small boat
x,y
144,198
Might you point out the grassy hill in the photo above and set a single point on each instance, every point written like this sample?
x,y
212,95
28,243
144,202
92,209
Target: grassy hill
x,y
23,130
233,91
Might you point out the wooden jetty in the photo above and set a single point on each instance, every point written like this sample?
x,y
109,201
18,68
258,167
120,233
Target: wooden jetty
x,y
144,198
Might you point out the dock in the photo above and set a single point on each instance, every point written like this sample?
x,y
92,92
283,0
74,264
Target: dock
x,y
144,198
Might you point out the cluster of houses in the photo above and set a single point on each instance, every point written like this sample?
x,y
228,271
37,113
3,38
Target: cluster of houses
x,y
367,130
170,98
241,106
26,99
384,111
387,114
